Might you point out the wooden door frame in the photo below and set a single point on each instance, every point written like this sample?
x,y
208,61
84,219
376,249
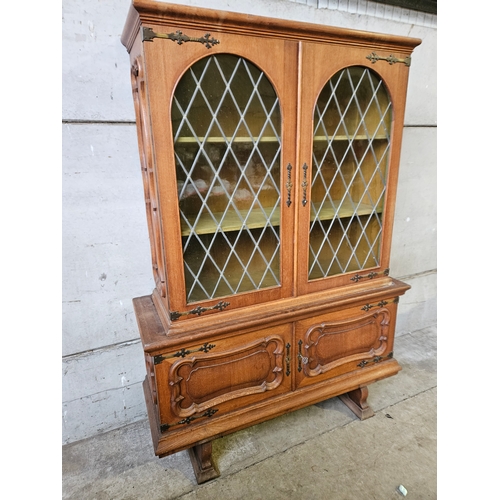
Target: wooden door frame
x,y
167,63
327,60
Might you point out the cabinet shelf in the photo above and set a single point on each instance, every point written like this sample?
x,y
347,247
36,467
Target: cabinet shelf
x,y
232,221
245,139
327,213
223,140
256,219
358,137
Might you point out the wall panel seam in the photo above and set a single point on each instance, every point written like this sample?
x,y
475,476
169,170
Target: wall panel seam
x,y
98,350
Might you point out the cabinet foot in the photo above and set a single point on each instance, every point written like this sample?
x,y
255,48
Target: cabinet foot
x,y
356,401
203,465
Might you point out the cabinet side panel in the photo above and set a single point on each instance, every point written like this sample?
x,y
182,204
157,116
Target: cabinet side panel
x,y
148,174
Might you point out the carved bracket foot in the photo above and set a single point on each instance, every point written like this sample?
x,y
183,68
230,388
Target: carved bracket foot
x,y
356,401
203,465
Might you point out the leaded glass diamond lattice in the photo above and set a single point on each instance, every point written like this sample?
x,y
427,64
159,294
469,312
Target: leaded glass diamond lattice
x,y
227,143
352,127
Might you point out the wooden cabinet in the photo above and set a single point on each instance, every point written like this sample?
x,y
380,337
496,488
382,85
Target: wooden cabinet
x,y
269,151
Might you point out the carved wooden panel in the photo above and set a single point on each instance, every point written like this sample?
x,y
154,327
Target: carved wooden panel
x,y
328,345
150,369
201,382
149,180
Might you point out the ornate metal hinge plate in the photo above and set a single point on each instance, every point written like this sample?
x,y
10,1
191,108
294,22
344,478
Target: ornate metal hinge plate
x,y
382,303
174,315
188,420
373,57
183,353
148,35
376,359
370,276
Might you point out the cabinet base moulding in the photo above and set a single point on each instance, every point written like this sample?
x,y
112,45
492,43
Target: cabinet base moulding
x,y
188,435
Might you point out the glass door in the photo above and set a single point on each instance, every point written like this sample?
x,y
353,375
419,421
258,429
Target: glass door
x,y
351,142
347,123
226,126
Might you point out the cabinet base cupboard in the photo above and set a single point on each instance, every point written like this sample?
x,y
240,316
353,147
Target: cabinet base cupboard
x,y
269,151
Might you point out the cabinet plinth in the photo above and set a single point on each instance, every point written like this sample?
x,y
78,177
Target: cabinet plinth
x,y
270,153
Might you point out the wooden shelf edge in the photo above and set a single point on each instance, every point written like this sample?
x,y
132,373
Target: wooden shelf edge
x,y
206,224
157,338
251,140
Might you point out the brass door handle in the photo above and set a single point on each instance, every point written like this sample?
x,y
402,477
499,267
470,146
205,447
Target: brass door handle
x,y
289,185
303,360
304,185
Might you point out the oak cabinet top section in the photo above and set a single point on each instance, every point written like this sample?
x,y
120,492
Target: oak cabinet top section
x,y
149,12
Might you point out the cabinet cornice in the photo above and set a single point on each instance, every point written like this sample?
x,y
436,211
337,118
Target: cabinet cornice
x,y
164,14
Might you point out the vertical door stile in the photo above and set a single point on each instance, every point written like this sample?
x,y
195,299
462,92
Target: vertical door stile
x,y
305,106
298,128
293,353
396,80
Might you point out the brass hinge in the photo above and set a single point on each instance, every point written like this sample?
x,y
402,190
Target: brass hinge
x,y
370,276
373,57
382,303
376,359
148,35
188,420
174,315
183,353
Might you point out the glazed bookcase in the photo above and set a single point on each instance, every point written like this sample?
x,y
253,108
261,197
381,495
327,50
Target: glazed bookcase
x,y
270,152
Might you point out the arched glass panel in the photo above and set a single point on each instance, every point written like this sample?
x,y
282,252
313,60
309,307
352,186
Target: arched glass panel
x,y
227,142
352,129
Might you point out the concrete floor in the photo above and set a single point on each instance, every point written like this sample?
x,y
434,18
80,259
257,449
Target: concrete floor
x,y
321,452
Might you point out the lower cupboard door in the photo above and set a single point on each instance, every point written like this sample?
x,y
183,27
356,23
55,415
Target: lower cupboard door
x,y
197,383
334,344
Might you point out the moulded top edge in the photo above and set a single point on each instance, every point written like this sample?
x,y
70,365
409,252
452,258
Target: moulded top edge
x,y
156,338
158,13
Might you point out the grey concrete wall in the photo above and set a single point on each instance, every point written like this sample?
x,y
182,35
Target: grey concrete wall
x,y
106,260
